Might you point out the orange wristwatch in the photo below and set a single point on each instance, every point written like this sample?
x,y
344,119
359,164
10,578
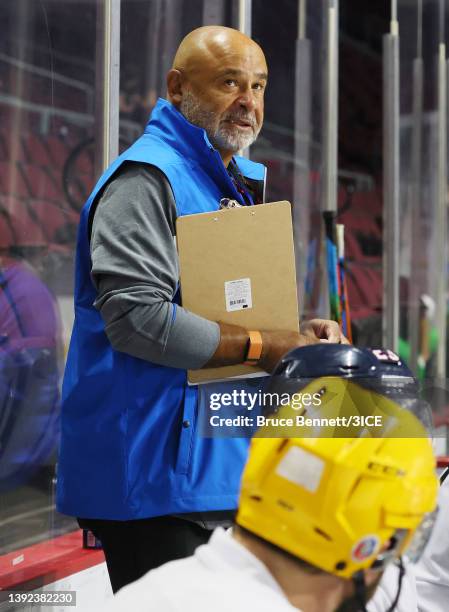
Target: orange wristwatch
x,y
254,351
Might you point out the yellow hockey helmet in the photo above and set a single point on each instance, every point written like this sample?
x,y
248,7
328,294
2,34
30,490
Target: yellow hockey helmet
x,y
341,504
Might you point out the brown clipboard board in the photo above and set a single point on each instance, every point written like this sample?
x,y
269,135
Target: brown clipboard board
x,y
219,252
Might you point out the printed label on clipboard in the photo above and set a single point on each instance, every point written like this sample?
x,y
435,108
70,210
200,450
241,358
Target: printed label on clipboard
x,y
238,294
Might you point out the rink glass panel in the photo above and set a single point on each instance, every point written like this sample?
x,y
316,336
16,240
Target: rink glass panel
x,y
47,156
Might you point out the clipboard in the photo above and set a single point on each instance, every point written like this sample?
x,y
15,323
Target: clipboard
x,y
237,266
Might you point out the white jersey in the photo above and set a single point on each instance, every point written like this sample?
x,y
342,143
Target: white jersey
x,y
425,586
388,587
432,571
222,576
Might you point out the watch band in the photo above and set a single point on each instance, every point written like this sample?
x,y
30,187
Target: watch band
x,y
254,351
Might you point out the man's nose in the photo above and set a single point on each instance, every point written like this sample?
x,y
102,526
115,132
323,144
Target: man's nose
x,y
247,100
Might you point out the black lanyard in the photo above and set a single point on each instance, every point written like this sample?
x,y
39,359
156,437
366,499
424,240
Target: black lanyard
x,y
240,184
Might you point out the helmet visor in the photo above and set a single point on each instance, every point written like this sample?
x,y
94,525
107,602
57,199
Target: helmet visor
x,y
421,537
337,407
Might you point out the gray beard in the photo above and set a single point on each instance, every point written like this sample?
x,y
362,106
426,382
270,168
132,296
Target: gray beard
x,y
223,136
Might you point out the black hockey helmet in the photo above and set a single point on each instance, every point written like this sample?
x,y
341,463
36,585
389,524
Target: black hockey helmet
x,y
378,370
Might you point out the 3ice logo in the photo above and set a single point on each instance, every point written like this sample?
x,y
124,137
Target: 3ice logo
x,y
365,548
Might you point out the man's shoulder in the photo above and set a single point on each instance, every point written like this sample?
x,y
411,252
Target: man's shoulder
x,y
138,170
133,179
201,588
156,588
126,197
151,149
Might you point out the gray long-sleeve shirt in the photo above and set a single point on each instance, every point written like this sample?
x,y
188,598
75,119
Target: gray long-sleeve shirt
x,y
135,270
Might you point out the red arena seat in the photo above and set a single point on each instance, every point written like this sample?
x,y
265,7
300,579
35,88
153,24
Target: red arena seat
x,y
36,150
12,182
7,239
40,183
59,151
3,147
26,232
58,224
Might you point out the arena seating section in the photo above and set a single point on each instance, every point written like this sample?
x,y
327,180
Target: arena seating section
x,y
34,210
361,214
359,201
360,150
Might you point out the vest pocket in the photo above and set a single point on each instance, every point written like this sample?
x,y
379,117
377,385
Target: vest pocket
x,y
187,433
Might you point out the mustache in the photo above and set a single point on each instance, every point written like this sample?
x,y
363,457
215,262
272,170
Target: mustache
x,y
242,116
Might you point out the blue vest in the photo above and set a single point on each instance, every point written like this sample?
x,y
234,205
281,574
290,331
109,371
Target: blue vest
x,y
130,446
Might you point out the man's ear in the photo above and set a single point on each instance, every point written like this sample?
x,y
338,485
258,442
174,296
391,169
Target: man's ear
x,y
174,86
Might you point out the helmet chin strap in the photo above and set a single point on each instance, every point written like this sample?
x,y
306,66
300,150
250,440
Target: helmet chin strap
x,y
360,588
400,579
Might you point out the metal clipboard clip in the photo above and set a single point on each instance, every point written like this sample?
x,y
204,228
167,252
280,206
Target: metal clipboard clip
x,y
228,203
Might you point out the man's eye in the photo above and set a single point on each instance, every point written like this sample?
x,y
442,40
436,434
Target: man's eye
x,y
231,82
259,86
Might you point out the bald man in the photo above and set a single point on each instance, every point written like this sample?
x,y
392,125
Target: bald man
x,y
133,467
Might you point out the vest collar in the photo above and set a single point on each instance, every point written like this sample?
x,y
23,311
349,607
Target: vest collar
x,y
169,124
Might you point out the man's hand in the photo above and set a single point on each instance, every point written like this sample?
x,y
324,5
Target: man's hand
x,y
325,330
